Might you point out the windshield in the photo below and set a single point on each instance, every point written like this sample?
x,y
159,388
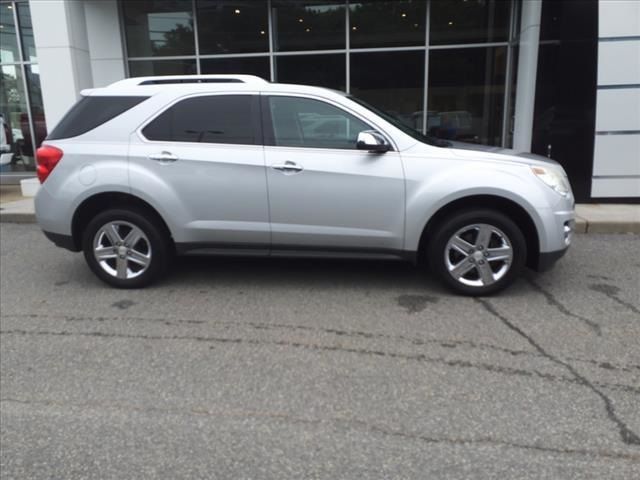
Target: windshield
x,y
428,139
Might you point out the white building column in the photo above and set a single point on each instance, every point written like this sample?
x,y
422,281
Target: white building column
x,y
616,162
63,54
106,51
527,71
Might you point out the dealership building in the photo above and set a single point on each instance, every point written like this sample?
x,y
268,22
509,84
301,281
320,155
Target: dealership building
x,y
554,77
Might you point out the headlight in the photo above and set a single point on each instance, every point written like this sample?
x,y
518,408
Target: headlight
x,y
553,177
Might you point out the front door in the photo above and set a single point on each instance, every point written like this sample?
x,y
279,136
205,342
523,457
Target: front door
x,y
324,194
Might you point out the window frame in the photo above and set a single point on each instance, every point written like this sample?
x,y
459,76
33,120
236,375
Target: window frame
x,y
256,124
267,125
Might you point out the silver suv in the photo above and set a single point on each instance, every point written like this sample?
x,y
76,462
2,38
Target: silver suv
x,y
150,167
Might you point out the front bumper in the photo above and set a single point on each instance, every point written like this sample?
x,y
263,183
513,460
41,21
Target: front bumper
x,y
546,260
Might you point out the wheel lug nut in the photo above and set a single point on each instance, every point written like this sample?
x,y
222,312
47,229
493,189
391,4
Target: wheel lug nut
x,y
481,262
486,254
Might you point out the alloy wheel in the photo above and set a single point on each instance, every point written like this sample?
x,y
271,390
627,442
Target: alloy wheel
x,y
122,250
478,255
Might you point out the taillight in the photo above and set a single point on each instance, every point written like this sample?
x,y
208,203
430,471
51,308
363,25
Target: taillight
x,y
47,158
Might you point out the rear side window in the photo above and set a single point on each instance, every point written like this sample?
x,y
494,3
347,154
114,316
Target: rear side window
x,y
208,119
90,112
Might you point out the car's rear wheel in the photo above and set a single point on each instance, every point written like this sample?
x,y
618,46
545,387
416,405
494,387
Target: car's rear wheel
x,y
477,252
125,249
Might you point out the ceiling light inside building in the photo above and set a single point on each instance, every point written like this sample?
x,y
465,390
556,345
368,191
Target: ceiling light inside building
x,y
237,11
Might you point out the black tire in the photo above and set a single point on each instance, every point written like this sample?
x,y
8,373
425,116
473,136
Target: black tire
x,y
441,258
153,243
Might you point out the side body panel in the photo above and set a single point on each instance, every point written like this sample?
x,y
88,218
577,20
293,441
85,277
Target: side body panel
x,y
213,193
341,199
436,177
87,168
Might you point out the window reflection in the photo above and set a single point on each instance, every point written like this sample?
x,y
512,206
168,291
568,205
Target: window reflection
x,y
232,26
16,151
320,70
159,27
26,32
144,68
308,25
245,65
375,78
8,40
466,93
469,21
376,23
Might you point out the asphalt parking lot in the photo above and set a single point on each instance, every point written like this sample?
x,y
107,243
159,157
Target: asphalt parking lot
x,y
245,368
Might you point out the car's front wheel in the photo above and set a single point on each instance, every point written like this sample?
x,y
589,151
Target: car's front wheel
x,y
477,252
125,249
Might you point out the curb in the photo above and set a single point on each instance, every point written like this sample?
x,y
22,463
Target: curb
x,y
17,217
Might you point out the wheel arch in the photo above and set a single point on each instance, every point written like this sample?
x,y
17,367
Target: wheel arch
x,y
99,202
510,208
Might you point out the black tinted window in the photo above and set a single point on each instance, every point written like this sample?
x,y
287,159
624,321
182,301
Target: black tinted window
x,y
303,122
91,112
214,119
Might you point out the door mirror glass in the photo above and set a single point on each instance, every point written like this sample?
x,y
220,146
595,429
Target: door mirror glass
x,y
372,141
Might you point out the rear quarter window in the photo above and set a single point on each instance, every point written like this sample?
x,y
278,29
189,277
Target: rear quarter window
x,y
91,112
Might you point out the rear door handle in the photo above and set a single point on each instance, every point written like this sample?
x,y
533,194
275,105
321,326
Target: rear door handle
x,y
287,167
163,157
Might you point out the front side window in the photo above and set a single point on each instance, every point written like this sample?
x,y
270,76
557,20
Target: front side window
x,y
209,119
304,122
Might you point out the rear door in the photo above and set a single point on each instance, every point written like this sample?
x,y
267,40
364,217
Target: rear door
x,y
324,194
201,162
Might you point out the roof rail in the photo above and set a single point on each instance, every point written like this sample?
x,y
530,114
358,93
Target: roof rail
x,y
180,79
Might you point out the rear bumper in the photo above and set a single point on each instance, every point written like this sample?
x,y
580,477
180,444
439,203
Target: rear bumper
x,y
63,241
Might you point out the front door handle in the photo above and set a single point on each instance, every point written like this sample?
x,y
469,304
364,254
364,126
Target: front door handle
x,y
288,167
163,157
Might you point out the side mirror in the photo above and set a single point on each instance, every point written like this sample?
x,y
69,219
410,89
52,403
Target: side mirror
x,y
372,141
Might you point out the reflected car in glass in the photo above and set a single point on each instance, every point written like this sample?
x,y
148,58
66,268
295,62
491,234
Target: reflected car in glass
x,y
153,167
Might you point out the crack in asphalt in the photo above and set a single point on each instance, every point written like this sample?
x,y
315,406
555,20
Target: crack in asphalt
x,y
445,343
627,435
612,291
339,422
329,348
553,301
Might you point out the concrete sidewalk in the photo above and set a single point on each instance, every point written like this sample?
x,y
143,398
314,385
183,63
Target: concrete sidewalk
x,y
590,218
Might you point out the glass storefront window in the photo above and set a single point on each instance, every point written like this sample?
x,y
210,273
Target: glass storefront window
x,y
16,150
37,108
147,68
308,25
26,33
375,79
22,121
466,94
246,65
466,85
8,41
232,26
158,27
326,70
467,21
374,23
